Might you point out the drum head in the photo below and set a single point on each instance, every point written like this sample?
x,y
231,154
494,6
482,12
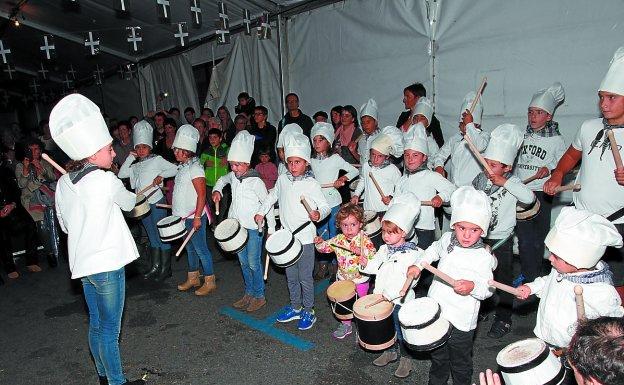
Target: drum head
x,y
168,221
369,216
521,352
341,291
226,230
526,213
278,242
375,312
419,311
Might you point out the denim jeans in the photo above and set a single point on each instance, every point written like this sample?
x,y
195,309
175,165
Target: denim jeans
x,y
150,221
251,264
328,224
197,248
105,294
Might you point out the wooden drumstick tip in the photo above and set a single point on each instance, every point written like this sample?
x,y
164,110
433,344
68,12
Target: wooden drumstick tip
x,y
578,290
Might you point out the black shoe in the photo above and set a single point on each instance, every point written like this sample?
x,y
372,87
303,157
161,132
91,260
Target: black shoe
x,y
52,261
499,329
135,382
103,380
155,263
165,266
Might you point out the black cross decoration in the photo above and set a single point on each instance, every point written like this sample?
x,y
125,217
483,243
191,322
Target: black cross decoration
x,y
121,6
134,39
71,72
97,75
182,34
196,13
48,48
4,52
35,86
69,84
247,21
92,42
164,10
43,71
264,28
9,70
223,25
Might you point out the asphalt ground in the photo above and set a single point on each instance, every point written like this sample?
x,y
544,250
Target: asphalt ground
x,y
174,337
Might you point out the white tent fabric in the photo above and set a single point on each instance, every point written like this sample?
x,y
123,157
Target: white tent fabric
x,y
118,98
173,75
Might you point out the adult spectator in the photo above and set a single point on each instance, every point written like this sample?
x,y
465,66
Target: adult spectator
x,y
164,146
347,135
240,122
133,120
246,105
123,145
206,113
294,115
265,133
320,116
174,112
200,125
227,124
189,115
335,115
411,94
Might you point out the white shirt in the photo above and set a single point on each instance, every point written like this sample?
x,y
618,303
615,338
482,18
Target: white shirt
x,y
391,271
463,164
247,197
89,212
326,171
142,174
184,194
471,264
599,193
365,141
292,212
556,315
387,178
425,185
536,152
503,203
281,168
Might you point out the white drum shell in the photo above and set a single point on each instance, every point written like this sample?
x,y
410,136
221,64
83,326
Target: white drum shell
x,y
283,248
542,373
171,228
423,311
231,236
372,223
142,207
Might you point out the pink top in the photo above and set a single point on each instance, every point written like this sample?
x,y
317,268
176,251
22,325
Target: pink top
x,y
268,173
345,134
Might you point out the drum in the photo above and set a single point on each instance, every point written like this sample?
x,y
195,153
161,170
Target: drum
x,y
525,213
141,207
283,248
530,362
231,236
374,324
422,326
342,295
171,228
411,237
372,223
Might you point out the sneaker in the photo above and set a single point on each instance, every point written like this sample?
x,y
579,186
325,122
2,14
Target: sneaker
x,y
33,268
499,329
288,314
342,331
307,320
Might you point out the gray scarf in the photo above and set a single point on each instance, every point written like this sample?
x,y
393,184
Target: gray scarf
x,y
455,243
550,129
251,173
307,174
601,274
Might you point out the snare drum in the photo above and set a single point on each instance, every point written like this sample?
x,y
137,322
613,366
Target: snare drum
x,y
525,213
231,236
374,324
372,223
342,295
530,362
422,326
283,248
141,208
171,228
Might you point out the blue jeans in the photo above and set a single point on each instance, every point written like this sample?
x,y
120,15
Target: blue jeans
x,y
328,224
251,264
150,221
197,248
105,294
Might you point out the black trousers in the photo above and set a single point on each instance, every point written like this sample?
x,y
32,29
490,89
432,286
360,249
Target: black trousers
x,y
454,359
18,223
615,258
531,235
503,274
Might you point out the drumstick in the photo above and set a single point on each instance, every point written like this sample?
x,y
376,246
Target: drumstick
x,y
145,189
477,154
188,238
327,185
361,243
378,301
47,158
439,274
532,178
406,286
503,287
266,267
614,149
341,248
567,187
478,95
377,186
426,203
260,226
306,205
580,304
163,206
217,207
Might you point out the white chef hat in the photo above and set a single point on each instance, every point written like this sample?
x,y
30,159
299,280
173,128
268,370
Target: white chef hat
x,y
614,79
425,108
323,129
478,110
548,98
77,127
241,148
142,133
288,129
505,140
186,138
382,143
369,109
580,237
471,205
403,211
297,144
397,140
416,139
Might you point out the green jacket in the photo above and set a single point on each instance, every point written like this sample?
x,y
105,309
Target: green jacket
x,y
216,156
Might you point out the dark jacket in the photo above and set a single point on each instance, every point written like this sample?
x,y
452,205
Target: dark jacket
x,y
303,120
433,129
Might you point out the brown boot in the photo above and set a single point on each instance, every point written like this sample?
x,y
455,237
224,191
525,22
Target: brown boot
x,y
243,302
386,357
208,287
192,280
404,369
255,304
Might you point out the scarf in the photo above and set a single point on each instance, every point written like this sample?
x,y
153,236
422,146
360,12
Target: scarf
x,y
139,160
601,274
455,243
607,143
549,130
420,168
320,156
345,134
481,182
406,246
251,173
383,165
307,174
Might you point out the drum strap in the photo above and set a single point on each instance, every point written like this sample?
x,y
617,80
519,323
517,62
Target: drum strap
x,y
303,226
616,215
75,177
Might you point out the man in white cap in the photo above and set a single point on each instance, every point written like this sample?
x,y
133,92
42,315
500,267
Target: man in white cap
x,y
291,190
542,148
390,266
576,242
248,193
462,256
88,202
505,190
602,183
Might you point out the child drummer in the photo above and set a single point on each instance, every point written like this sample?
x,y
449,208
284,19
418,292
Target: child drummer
x,y
296,183
576,242
390,266
462,255
248,193
351,248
